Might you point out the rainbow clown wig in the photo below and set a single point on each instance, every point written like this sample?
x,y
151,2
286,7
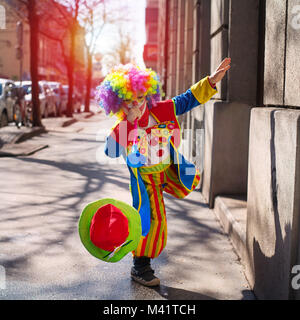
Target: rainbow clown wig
x,y
127,82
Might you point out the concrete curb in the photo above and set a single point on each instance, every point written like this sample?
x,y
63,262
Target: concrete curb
x,y
83,115
233,225
69,122
12,135
19,150
28,135
89,115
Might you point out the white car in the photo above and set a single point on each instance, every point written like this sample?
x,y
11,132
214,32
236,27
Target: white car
x,y
46,97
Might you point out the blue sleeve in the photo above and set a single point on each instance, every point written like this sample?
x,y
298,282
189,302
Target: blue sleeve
x,y
185,102
113,149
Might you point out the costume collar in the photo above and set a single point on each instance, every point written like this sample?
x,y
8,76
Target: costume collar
x,y
143,122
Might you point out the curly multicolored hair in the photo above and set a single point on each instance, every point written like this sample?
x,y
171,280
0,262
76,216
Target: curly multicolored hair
x,y
127,82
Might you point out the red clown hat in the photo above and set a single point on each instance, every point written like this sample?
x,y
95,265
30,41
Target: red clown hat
x,y
109,229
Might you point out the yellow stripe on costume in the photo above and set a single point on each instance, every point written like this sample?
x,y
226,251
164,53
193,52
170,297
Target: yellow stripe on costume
x,y
139,248
203,91
175,188
155,222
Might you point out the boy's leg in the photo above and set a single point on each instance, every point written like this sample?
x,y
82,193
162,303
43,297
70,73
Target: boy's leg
x,y
142,272
173,185
152,245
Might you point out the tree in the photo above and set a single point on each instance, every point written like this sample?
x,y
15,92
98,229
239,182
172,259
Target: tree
x,y
74,9
30,7
91,15
67,15
93,10
96,15
34,58
123,51
71,15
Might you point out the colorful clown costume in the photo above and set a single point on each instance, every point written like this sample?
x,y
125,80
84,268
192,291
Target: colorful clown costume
x,y
168,171
156,182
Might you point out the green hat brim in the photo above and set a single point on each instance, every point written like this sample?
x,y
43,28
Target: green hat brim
x,y
134,226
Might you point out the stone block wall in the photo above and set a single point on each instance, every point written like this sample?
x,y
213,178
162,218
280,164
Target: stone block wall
x,y
248,150
273,206
282,53
219,40
234,33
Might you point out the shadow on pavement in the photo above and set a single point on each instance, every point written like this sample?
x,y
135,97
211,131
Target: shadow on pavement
x,y
170,293
180,294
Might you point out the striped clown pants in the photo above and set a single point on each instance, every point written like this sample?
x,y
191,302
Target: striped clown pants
x,y
156,182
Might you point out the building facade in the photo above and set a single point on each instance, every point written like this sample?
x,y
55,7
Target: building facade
x,y
246,139
10,66
150,53
50,68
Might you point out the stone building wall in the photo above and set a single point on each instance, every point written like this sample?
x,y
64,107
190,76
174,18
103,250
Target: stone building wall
x,y
251,128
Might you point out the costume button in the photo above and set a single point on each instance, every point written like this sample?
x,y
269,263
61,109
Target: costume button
x,y
160,153
154,141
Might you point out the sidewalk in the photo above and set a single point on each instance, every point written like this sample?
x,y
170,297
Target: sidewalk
x,y
16,141
199,253
44,257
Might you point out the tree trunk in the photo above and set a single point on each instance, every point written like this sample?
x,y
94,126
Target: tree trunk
x,y
89,76
71,71
34,58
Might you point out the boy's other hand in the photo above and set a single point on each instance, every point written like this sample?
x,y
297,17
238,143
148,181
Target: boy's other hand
x,y
219,74
133,113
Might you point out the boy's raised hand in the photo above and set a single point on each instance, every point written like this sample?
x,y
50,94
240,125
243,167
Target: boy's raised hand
x,y
219,74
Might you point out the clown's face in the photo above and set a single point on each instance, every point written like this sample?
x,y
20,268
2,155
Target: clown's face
x,y
139,103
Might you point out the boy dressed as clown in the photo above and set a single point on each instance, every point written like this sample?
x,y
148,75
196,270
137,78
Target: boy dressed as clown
x,y
149,127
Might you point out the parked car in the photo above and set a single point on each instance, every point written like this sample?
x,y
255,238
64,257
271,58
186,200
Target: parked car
x,y
50,97
47,102
20,107
77,100
11,103
60,100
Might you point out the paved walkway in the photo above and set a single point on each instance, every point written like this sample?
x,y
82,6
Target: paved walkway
x,y
41,253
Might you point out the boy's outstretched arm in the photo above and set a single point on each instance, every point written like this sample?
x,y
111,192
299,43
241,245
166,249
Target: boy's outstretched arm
x,y
202,91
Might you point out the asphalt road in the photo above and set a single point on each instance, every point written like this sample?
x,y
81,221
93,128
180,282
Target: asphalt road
x,y
41,256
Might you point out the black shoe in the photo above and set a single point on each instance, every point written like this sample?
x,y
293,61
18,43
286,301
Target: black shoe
x,y
142,272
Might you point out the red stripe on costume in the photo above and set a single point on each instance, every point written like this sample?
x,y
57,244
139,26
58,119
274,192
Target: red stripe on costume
x,y
178,188
157,238
177,185
162,177
143,246
162,243
159,218
170,191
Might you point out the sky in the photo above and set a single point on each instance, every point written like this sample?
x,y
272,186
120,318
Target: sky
x,y
136,27
135,13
